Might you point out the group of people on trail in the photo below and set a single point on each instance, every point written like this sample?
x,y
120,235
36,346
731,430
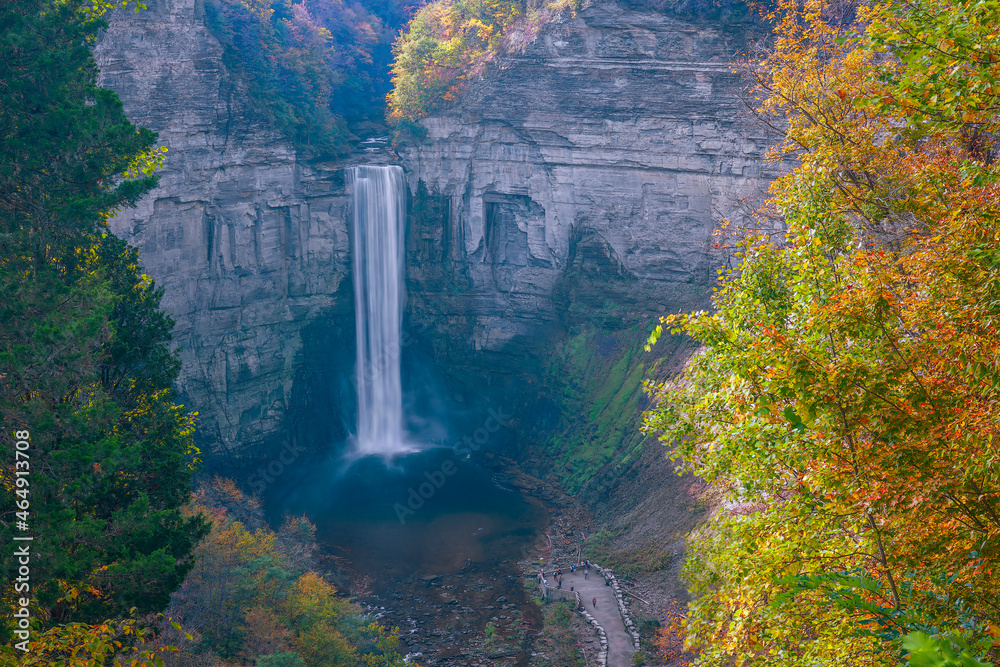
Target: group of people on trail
x,y
582,565
558,576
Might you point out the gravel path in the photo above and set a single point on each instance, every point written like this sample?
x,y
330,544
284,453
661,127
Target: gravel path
x,y
620,646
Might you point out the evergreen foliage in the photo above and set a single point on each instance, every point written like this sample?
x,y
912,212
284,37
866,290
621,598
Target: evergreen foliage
x,y
84,360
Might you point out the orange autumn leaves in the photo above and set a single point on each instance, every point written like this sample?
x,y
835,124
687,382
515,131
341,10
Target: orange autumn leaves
x,y
451,42
252,598
849,383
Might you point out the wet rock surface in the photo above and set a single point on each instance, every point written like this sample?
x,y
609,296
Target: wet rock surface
x,y
443,619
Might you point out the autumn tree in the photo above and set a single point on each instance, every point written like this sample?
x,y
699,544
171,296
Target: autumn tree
x,y
451,42
846,399
125,643
252,596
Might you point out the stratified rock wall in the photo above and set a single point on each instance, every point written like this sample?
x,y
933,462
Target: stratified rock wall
x,y
579,182
588,173
249,240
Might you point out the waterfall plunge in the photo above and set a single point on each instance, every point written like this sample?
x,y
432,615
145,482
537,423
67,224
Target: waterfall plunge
x,y
379,213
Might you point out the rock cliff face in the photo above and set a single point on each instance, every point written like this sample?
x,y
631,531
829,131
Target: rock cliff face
x,y
248,239
586,175
578,183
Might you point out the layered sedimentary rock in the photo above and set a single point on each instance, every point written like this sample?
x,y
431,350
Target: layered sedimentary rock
x,y
585,174
249,240
581,180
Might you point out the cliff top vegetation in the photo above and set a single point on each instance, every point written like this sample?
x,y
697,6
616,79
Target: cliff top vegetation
x,y
318,66
314,68
451,42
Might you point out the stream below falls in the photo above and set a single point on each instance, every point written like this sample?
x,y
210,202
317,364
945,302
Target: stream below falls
x,y
433,540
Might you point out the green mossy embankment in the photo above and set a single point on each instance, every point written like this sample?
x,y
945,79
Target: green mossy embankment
x,y
605,547
594,381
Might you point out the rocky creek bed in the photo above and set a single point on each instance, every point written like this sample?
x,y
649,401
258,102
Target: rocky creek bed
x,y
447,567
479,612
457,574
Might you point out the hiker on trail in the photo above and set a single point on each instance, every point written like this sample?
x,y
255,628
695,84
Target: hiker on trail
x,y
559,581
573,568
595,603
586,574
571,589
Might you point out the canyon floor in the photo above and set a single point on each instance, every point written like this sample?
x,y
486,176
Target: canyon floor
x,y
483,611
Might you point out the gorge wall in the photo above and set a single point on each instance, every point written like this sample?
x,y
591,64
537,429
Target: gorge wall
x,y
249,239
567,199
575,186
593,166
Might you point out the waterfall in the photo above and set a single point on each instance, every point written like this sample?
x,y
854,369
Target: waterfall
x,y
379,213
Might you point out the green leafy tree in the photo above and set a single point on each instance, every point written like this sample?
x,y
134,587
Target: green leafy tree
x,y
949,651
84,360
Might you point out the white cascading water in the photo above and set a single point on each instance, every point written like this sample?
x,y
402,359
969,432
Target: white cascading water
x,y
379,214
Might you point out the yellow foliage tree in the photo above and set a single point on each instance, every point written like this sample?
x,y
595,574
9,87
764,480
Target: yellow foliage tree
x,y
450,42
248,595
118,644
846,400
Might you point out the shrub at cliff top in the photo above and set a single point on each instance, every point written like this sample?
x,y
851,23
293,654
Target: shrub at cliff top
x,y
450,42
